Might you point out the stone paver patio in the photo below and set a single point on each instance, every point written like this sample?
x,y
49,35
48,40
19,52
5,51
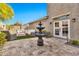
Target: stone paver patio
x,y
28,47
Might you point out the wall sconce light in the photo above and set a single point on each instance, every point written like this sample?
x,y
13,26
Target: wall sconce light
x,y
74,20
50,23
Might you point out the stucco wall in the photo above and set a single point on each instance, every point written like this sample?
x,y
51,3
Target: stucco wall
x,y
55,9
35,24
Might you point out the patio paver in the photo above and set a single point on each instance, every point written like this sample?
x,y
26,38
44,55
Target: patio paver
x,y
28,47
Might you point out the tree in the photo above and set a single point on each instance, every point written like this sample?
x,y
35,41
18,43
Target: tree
x,y
6,12
8,27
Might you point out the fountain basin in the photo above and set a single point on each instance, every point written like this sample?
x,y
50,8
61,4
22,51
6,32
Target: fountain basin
x,y
40,35
40,28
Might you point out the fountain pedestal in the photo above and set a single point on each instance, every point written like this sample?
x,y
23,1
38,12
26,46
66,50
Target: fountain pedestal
x,y
40,34
40,41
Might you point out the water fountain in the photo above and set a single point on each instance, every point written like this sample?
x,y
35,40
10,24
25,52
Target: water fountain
x,y
40,34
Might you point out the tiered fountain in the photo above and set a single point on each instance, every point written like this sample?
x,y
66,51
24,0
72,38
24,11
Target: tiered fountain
x,y
40,34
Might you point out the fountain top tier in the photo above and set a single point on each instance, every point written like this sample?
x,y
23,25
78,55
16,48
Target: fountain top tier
x,y
40,27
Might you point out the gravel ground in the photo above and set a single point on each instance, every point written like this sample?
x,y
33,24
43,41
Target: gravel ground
x,y
28,47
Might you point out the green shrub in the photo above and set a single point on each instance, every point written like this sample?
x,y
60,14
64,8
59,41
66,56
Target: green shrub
x,y
24,37
75,42
2,38
2,41
48,35
44,31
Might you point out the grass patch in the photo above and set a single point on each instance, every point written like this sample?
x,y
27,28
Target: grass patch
x,y
75,42
24,37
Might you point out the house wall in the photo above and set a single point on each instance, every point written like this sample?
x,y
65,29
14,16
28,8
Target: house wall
x,y
56,9
34,25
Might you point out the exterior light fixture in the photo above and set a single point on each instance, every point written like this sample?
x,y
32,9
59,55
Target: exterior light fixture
x,y
74,20
50,23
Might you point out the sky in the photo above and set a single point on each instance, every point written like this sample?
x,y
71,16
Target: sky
x,y
27,12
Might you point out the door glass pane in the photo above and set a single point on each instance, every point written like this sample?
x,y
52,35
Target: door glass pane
x,y
64,28
56,24
64,31
65,23
56,31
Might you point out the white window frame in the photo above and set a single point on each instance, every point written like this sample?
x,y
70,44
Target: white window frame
x,y
60,27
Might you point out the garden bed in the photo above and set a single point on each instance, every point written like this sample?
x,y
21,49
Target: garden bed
x,y
24,37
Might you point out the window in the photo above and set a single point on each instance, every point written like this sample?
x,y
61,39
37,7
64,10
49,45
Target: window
x,y
64,17
65,31
64,28
56,31
64,23
56,24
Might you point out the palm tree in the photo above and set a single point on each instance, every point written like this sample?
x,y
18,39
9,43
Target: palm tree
x,y
6,12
